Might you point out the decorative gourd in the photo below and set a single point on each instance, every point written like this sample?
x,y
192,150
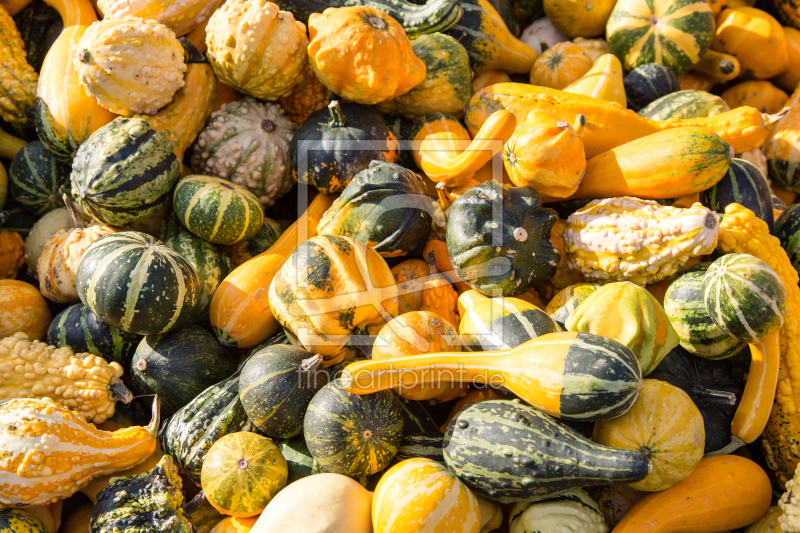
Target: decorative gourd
x,y
767,523
242,472
10,145
630,315
573,509
563,304
409,276
102,452
560,65
23,309
351,434
45,227
118,274
594,48
181,18
579,18
735,491
698,334
781,147
719,65
502,324
19,520
276,385
124,172
385,206
329,167
490,77
685,104
247,142
12,250
438,295
604,80
232,524
179,365
322,305
786,229
788,79
420,495
498,448
664,425
35,177
541,372
759,94
489,43
338,38
746,185
649,82
520,257
342,505
240,312
614,219
308,96
153,498
19,78
788,505
447,86
546,155
243,251
751,35
217,210
541,34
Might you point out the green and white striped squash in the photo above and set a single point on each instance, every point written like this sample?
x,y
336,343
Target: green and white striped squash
x,y
35,177
503,323
245,250
787,230
425,445
687,313
217,210
124,172
351,434
210,262
676,33
564,303
133,282
744,297
685,104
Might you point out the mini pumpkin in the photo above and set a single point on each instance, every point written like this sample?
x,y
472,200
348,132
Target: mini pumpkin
x,y
560,65
23,309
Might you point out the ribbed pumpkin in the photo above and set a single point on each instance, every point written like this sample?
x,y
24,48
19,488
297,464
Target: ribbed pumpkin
x,y
503,323
180,18
579,18
759,94
35,177
243,251
362,54
329,287
256,48
22,309
675,33
563,304
666,426
630,315
217,210
242,472
755,38
422,496
120,275
560,65
124,172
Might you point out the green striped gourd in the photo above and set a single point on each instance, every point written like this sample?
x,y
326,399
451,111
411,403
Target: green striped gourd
x,y
133,282
210,261
20,521
510,452
216,210
574,376
246,250
676,33
124,172
77,328
564,303
351,434
746,185
744,297
685,104
649,82
630,315
425,445
276,385
35,177
503,323
574,507
787,230
687,313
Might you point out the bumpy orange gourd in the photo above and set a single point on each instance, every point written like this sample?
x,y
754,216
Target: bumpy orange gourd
x,y
180,17
560,65
362,54
307,96
22,309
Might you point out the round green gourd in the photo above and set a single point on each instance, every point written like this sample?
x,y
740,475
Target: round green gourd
x,y
503,323
20,521
685,104
133,282
179,365
698,334
216,210
35,178
787,230
743,184
276,385
649,82
507,259
351,434
124,172
744,297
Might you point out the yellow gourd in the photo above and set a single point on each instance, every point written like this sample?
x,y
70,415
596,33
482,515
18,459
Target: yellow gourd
x,y
594,48
790,78
767,523
695,81
718,65
759,94
10,145
232,524
579,18
560,65
755,38
23,309
604,81
488,78
410,277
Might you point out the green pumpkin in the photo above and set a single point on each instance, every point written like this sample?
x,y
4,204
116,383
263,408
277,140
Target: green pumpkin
x,y
351,434
35,179
743,184
133,282
787,230
385,206
210,262
684,104
502,324
648,83
498,239
217,210
245,250
325,150
124,172
20,521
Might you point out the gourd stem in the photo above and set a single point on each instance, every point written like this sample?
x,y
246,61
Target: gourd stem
x,y
580,124
77,220
338,120
119,391
772,119
155,422
194,504
715,397
311,364
728,449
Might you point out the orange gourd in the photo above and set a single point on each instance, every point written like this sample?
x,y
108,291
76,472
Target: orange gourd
x,y
560,65
443,264
12,249
488,78
22,309
409,276
232,524
438,295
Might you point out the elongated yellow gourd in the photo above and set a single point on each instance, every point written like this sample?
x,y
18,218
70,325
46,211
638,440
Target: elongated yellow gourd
x,y
755,406
563,374
604,81
719,65
10,145
608,124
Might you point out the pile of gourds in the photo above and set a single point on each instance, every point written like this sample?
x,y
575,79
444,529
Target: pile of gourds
x,y
394,267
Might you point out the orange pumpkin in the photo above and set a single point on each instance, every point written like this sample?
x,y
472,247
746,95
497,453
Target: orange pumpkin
x,y
22,309
12,251
560,65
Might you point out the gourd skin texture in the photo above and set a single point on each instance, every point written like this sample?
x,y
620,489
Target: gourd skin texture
x,y
256,48
685,104
180,17
362,54
409,277
560,65
422,496
755,38
566,301
307,96
22,309
502,324
129,65
570,512
17,77
789,79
